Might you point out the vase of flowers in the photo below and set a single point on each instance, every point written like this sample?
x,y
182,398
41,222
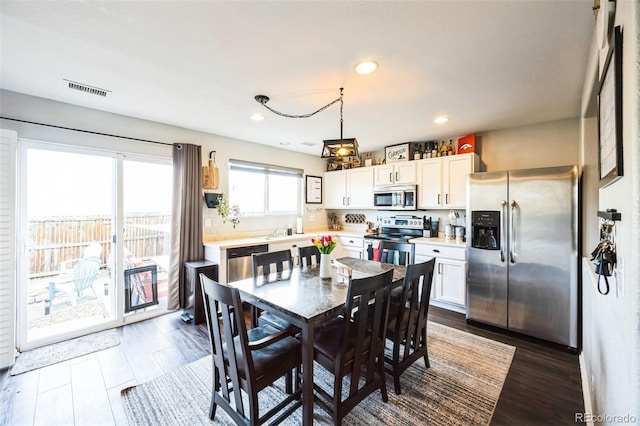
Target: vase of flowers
x,y
325,245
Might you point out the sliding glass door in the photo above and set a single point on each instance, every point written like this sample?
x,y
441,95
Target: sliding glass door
x,y
147,219
94,232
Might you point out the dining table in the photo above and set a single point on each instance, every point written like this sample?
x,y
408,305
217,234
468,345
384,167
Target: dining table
x,y
305,300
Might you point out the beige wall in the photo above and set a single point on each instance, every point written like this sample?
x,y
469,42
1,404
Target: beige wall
x,y
30,108
555,143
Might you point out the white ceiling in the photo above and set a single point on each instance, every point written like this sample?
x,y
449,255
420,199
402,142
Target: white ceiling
x,y
485,64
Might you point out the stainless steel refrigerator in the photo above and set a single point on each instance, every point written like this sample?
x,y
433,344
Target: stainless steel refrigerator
x,y
522,251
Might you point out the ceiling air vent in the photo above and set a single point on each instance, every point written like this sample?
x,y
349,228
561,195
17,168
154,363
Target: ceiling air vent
x,y
88,89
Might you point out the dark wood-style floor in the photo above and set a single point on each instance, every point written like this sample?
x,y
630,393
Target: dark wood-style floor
x,y
542,387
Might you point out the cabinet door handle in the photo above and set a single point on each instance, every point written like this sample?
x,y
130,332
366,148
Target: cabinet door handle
x,y
439,268
390,177
446,197
436,251
344,201
397,177
438,198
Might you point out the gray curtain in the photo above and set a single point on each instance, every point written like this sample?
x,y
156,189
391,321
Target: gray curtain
x,y
186,218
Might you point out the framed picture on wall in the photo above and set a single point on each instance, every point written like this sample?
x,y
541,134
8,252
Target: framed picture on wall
x,y
313,189
610,158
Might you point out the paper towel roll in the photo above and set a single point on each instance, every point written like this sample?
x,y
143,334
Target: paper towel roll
x,y
299,226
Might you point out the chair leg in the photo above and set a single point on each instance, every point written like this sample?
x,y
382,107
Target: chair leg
x,y
396,381
214,391
383,385
49,301
288,383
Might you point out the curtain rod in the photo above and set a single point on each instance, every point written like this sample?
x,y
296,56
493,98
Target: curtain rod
x,y
85,131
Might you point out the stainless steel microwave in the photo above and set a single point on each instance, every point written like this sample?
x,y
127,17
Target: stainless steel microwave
x,y
395,197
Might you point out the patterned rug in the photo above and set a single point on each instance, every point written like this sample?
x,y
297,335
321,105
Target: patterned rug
x,y
462,387
58,352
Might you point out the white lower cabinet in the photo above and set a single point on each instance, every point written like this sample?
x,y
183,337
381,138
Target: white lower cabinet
x,y
291,245
448,289
349,247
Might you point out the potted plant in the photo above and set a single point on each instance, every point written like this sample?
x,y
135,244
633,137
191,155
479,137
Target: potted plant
x,y
227,212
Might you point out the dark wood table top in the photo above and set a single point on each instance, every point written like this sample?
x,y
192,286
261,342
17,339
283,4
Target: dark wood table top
x,y
303,295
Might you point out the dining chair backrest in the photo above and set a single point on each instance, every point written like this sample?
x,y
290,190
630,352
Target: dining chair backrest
x,y
248,360
353,346
306,255
262,262
407,323
397,253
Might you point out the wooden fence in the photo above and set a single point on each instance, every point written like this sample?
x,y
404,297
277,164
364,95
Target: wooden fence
x,y
56,239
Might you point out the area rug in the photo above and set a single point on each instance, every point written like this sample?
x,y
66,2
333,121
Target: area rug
x,y
462,387
69,349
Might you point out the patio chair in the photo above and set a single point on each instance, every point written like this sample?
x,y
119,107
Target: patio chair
x,y
85,272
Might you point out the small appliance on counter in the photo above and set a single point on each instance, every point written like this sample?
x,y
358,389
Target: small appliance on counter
x,y
448,232
426,227
434,229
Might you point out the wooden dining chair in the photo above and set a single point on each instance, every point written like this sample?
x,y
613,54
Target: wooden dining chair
x,y
407,325
263,263
308,256
347,347
246,360
397,253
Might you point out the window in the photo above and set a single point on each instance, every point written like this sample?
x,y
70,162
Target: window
x,y
262,189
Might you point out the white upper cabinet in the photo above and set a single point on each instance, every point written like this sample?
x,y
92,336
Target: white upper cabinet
x,y
349,189
442,181
401,173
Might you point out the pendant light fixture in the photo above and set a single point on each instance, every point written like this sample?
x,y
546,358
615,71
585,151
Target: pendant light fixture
x,y
340,148
332,148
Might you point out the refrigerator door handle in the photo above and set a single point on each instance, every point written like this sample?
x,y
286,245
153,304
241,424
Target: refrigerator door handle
x,y
512,234
503,203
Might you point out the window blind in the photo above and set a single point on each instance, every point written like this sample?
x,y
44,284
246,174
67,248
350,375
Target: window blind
x,y
8,142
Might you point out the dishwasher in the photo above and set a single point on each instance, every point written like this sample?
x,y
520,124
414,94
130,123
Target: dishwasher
x,y
239,263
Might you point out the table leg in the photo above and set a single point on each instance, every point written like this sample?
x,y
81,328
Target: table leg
x,y
307,374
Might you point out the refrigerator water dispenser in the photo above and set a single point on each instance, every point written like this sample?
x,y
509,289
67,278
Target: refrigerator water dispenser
x,y
485,229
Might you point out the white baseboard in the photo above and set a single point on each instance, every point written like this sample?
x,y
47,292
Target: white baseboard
x,y
586,388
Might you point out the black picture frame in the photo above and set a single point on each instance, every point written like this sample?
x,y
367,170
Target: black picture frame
x,y
610,159
313,189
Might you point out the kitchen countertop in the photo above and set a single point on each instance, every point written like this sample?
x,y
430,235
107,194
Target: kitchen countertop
x,y
254,241
438,242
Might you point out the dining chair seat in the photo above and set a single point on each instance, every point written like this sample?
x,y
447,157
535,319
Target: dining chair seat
x,y
327,342
269,359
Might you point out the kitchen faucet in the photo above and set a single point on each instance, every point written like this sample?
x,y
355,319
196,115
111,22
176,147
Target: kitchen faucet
x,y
275,232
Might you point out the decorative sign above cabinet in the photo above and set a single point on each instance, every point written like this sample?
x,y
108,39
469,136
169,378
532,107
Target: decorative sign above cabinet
x,y
397,153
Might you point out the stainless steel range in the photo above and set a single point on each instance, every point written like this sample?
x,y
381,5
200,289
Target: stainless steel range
x,y
399,228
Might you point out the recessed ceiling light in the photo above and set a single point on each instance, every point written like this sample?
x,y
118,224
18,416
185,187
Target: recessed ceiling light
x,y
284,143
257,117
366,67
441,120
